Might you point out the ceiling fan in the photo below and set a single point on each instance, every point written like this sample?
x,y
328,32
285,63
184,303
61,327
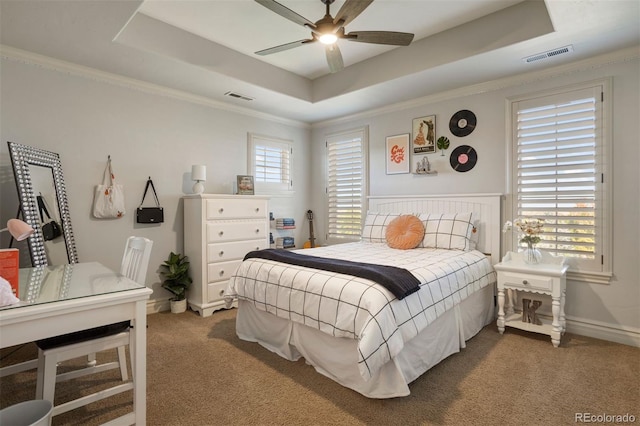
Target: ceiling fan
x,y
328,30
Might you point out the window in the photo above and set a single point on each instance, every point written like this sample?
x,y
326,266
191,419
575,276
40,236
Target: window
x,y
346,185
559,163
270,162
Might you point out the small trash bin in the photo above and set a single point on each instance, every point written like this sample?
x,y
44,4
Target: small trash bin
x,y
27,413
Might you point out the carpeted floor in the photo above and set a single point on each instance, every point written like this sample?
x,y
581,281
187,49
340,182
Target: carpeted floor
x,y
200,373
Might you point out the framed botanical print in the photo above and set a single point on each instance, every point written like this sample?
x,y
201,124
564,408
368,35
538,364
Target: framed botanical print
x,y
424,135
397,154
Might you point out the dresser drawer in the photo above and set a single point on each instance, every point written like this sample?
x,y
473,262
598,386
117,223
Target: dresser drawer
x,y
227,209
527,281
221,270
223,252
221,231
215,291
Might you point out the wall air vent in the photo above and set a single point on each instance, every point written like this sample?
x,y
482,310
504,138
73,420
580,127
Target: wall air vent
x,y
549,54
238,96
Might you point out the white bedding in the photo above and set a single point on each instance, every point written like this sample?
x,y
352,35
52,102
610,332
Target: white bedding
x,y
367,311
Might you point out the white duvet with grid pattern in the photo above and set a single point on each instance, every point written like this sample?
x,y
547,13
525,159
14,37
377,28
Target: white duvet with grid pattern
x,y
346,306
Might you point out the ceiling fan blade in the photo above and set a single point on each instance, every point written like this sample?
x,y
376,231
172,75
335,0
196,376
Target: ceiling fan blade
x,y
380,37
283,47
285,12
334,57
350,10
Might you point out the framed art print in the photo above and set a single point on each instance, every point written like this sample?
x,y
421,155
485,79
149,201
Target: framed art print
x,y
245,185
424,135
397,154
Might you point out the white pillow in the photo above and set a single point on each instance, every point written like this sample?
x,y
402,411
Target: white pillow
x,y
448,230
375,226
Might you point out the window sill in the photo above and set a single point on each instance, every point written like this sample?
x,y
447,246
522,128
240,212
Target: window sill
x,y
590,277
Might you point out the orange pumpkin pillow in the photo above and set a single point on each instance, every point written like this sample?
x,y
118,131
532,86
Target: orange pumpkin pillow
x,y
404,232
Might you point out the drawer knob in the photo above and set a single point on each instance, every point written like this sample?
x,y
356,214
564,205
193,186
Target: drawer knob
x,y
221,293
257,248
221,233
222,273
257,230
257,209
221,210
525,282
221,253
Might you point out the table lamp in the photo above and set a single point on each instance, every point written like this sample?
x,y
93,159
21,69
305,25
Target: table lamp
x,y
18,229
199,174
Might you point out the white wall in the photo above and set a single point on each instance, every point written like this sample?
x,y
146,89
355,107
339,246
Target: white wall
x,y
607,311
85,117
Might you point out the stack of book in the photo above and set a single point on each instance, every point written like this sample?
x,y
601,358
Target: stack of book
x,y
285,242
285,223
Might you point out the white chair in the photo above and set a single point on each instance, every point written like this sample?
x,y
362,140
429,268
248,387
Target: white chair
x,y
88,342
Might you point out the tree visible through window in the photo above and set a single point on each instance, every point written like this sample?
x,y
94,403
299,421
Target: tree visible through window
x,y
558,173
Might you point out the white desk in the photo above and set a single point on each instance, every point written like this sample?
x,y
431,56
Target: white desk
x,y
55,300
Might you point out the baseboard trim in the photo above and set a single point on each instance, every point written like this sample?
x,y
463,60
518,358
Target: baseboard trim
x,y
157,305
625,336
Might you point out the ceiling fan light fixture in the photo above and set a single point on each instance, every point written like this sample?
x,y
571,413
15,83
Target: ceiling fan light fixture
x,y
329,38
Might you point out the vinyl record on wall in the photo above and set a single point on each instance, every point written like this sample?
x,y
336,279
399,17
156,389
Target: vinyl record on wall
x,y
463,158
462,123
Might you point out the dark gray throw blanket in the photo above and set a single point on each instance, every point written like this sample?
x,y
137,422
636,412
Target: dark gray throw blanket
x,y
398,281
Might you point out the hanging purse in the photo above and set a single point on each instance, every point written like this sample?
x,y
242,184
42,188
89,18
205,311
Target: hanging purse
x,y
108,201
150,214
51,229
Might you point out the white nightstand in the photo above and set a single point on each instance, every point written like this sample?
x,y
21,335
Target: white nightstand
x,y
547,277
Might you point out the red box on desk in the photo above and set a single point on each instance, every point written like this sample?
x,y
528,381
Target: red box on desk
x,y
9,264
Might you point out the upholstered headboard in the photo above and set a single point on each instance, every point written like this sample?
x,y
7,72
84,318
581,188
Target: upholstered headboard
x,y
486,206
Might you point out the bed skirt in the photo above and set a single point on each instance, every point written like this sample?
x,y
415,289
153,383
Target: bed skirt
x,y
336,357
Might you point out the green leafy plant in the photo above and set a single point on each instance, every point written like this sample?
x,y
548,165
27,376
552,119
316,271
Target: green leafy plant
x,y
175,271
442,143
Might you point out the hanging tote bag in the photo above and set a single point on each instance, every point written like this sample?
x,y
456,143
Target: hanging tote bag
x,y
50,229
108,202
150,214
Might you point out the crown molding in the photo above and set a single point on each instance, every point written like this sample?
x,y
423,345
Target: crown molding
x,y
33,59
619,56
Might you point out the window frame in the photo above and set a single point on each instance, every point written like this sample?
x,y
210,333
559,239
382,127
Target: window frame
x,y
363,134
255,140
603,157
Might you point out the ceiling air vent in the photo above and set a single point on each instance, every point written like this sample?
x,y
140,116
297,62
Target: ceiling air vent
x,y
549,54
238,96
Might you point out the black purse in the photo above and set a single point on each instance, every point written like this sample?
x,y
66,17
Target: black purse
x,y
150,214
50,230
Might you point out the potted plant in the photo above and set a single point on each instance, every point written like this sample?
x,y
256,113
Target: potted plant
x,y
175,271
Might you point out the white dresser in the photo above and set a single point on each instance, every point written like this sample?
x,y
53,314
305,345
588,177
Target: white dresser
x,y
218,231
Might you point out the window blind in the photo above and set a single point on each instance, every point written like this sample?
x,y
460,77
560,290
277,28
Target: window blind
x,y
346,173
270,162
558,172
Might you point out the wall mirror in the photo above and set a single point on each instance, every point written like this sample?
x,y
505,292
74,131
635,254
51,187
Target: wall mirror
x,y
40,183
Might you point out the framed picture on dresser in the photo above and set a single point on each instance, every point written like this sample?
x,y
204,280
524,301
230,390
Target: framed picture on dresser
x,y
245,185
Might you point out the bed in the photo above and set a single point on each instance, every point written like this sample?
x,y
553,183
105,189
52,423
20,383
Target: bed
x,y
373,339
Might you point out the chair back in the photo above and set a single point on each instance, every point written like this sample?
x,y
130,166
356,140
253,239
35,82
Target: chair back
x,y
135,260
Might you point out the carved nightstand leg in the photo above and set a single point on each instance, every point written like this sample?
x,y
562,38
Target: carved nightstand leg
x,y
501,310
556,328
563,320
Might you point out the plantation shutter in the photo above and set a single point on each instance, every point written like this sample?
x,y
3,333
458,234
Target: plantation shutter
x,y
271,163
558,172
346,174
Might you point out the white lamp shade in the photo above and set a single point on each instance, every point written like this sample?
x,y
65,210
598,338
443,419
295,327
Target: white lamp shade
x,y
198,172
18,229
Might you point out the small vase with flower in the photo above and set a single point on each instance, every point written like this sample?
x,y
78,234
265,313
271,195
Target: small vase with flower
x,y
530,229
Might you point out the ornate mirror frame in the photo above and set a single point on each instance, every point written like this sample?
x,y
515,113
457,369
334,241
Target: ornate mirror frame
x,y
22,156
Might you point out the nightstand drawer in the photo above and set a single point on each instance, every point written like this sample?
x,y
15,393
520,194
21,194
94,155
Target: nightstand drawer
x,y
526,281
